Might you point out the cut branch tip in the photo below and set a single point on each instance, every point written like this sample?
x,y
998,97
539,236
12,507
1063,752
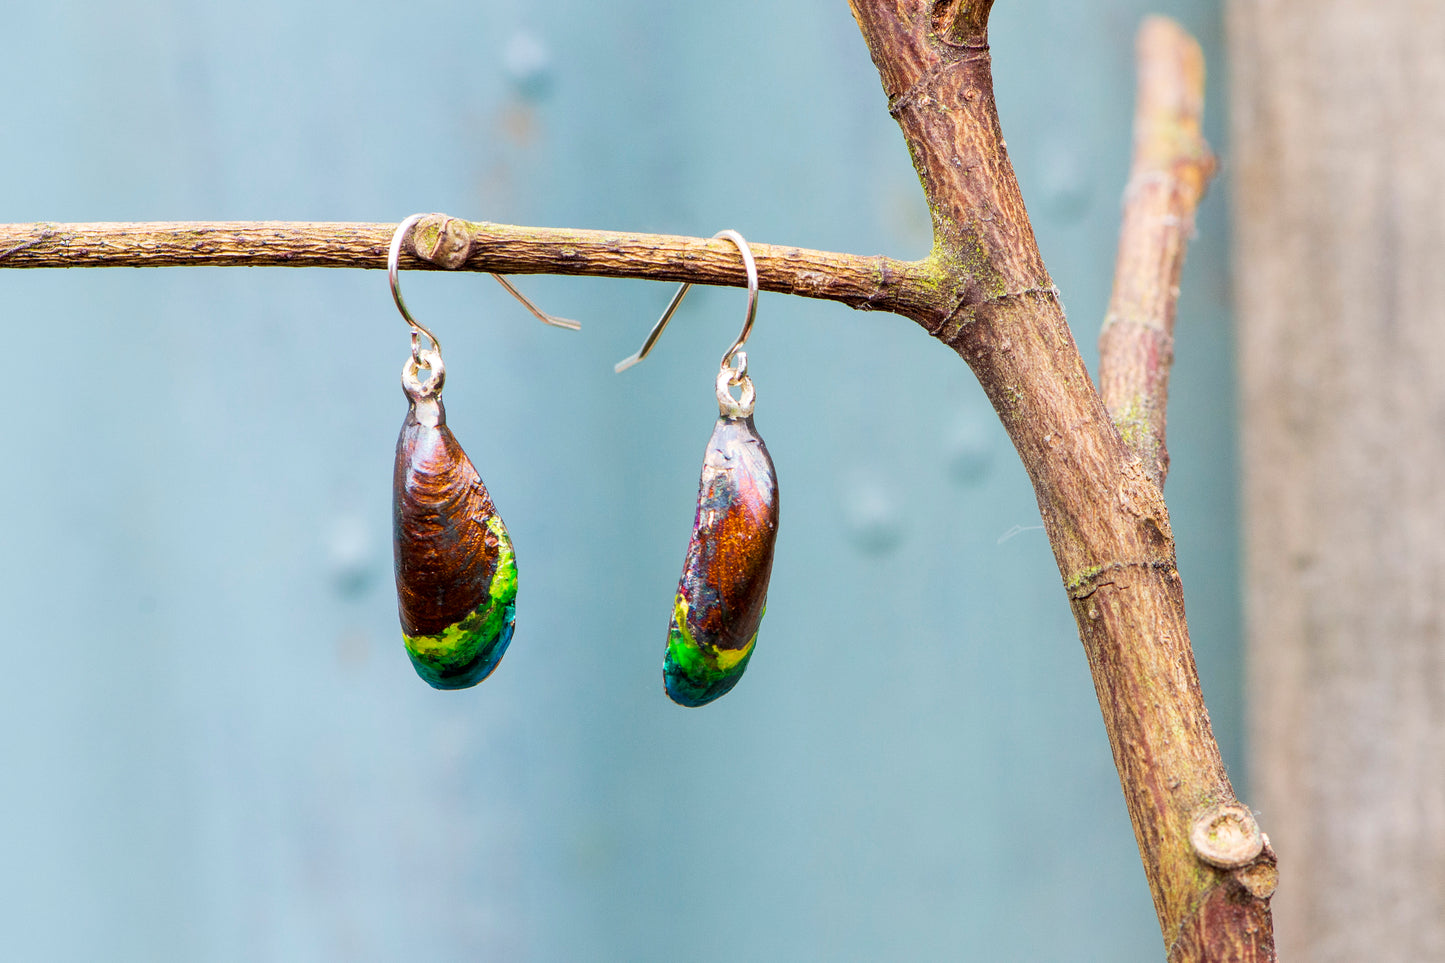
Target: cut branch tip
x,y
1226,836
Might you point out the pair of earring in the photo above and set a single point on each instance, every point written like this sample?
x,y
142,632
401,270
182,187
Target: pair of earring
x,y
456,571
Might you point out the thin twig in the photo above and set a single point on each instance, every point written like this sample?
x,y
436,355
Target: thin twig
x,y
875,283
1171,170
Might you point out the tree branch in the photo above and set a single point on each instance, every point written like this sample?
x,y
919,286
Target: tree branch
x,y
1103,512
1171,170
874,283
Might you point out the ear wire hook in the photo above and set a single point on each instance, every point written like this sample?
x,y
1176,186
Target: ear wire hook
x,y
537,312
735,349
394,256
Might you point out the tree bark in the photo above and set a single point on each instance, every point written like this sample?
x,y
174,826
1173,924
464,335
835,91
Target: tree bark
x,y
1339,134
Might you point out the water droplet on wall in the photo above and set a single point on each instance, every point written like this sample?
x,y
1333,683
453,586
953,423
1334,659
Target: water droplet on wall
x,y
872,517
528,64
1064,180
969,446
351,554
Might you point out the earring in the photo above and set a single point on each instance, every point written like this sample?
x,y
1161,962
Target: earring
x,y
456,572
723,592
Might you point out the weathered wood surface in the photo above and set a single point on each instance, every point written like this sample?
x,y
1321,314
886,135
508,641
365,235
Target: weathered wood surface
x,y
1337,160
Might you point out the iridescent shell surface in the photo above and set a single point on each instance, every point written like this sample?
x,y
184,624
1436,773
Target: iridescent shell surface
x,y
456,574
723,591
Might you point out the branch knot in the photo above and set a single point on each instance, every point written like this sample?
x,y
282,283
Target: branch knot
x,y
1226,836
443,240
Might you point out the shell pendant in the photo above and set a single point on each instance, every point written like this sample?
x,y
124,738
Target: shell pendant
x,y
456,573
723,591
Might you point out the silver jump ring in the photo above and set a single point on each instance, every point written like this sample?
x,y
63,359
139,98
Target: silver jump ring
x,y
729,377
415,388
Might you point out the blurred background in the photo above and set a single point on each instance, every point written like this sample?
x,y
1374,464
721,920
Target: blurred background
x,y
214,745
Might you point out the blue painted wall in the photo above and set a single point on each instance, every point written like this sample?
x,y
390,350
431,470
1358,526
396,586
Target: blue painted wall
x,y
214,746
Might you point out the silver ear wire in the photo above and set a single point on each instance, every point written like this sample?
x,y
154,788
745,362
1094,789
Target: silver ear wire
x,y
537,312
752,270
394,256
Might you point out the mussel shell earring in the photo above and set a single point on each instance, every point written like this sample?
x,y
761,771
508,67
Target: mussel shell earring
x,y
723,591
456,571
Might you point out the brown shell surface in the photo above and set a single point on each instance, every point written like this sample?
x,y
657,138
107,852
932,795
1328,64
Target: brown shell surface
x,y
730,558
445,554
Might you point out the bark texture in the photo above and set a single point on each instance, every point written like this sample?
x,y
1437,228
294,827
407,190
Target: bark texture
x,y
1339,161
